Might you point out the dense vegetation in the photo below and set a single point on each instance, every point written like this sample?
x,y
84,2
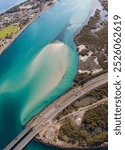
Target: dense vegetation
x,y
95,120
93,130
69,109
104,4
94,36
98,93
94,127
96,42
71,134
82,78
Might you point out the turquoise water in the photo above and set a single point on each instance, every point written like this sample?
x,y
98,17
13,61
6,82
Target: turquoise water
x,y
28,74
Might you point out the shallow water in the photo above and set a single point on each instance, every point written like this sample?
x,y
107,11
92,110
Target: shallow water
x,y
27,69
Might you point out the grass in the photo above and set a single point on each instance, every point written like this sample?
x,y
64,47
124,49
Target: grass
x,y
8,30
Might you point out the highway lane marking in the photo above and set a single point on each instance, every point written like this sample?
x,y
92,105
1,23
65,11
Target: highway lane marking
x,y
65,101
68,97
86,86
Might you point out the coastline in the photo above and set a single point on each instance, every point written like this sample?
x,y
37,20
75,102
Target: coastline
x,y
64,146
82,47
49,144
71,147
15,36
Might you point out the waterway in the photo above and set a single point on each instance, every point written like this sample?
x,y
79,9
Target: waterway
x,y
39,66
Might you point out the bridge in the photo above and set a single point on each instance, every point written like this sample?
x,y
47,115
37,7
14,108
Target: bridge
x,y
37,123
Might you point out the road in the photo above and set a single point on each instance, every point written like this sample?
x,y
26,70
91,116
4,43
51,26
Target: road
x,y
52,110
17,139
84,109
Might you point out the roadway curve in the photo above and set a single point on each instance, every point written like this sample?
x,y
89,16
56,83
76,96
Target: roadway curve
x,y
52,110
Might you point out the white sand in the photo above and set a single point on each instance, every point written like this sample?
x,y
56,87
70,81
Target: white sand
x,y
83,71
84,58
90,53
47,70
81,47
96,61
96,70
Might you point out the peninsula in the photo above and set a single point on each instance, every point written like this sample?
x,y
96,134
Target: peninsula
x,y
84,124
16,19
78,119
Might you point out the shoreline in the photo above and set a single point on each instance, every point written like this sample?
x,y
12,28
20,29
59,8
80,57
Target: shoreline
x,y
8,44
103,147
70,148
15,36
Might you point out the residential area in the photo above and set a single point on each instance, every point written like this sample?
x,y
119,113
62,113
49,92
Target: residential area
x,y
13,21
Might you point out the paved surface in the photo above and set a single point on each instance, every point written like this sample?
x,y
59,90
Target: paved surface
x,y
18,138
95,104
52,110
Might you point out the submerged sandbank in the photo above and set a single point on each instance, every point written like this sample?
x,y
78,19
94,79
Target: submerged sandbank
x,y
47,70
